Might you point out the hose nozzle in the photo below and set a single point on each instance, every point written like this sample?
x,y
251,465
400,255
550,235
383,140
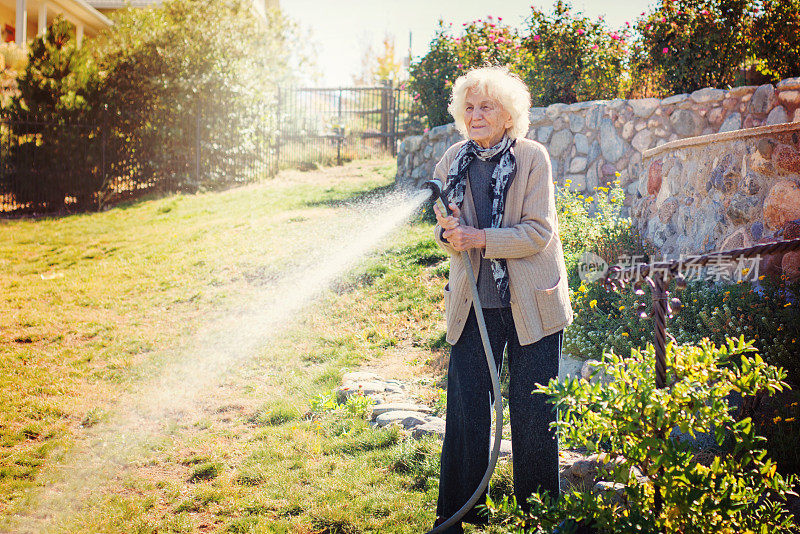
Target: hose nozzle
x,y
437,195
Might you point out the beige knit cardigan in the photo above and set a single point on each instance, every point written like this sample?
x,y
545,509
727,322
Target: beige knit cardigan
x,y
528,239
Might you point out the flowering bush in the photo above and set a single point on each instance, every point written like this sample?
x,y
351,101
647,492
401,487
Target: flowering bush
x,y
573,58
482,42
631,423
775,38
691,44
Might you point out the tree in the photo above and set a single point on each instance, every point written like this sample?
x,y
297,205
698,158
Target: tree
x,y
572,58
693,44
383,67
775,38
163,68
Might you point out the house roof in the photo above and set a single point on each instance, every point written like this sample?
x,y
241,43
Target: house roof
x,y
119,4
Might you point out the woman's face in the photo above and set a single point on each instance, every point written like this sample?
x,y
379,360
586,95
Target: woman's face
x,y
485,118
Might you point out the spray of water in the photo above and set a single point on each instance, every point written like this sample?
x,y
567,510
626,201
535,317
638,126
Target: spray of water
x,y
215,349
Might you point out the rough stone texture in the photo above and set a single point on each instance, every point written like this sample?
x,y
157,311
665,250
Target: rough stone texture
x,y
612,145
732,122
613,135
778,115
577,165
405,418
763,99
723,191
644,107
434,427
708,95
782,204
581,143
543,134
686,123
379,409
642,140
561,141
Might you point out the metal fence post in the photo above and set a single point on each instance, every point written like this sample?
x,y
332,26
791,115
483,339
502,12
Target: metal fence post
x,y
278,134
197,149
103,146
340,131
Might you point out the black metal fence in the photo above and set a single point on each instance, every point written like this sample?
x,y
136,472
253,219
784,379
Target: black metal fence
x,y
77,163
332,125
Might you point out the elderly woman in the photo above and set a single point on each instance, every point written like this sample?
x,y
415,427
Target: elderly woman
x,y
501,191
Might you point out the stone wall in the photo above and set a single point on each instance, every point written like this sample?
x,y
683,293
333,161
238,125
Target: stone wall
x,y
589,142
723,191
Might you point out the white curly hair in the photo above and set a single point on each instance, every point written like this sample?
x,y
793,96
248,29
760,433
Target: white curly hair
x,y
498,83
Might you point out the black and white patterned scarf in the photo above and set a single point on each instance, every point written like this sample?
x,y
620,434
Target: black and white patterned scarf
x,y
501,177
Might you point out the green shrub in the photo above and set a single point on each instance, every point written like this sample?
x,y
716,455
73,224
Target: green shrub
x,y
631,422
481,43
775,38
572,58
691,44
164,67
53,158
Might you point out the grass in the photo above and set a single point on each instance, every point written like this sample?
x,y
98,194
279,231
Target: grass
x,y
95,305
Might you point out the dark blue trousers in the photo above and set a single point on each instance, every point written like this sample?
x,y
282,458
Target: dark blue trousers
x,y
465,452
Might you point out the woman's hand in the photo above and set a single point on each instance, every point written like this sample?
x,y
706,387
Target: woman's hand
x,y
448,222
465,237
460,237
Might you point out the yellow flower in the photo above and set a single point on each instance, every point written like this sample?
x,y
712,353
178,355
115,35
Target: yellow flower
x,y
580,196
789,419
787,304
621,308
745,270
589,199
625,334
761,277
593,304
582,288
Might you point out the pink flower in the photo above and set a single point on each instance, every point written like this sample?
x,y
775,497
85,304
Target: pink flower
x,y
704,12
536,38
580,31
680,12
595,47
663,19
483,48
649,26
499,19
436,71
665,50
489,17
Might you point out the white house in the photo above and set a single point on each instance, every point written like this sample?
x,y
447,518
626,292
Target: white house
x,y
21,20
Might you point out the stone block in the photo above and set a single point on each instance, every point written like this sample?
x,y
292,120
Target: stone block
x,y
611,144
707,95
763,99
732,122
778,115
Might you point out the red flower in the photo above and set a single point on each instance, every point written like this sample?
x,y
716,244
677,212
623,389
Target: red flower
x,y
536,38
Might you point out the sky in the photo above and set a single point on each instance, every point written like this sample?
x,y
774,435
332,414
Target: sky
x,y
344,29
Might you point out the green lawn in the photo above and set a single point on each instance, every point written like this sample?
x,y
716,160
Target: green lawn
x,y
95,307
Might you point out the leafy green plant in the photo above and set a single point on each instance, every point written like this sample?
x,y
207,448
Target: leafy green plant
x,y
481,42
572,58
775,38
54,90
691,44
632,424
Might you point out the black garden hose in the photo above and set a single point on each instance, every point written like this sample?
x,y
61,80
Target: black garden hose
x,y
439,195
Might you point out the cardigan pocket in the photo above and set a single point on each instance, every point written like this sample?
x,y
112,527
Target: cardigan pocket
x,y
553,304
